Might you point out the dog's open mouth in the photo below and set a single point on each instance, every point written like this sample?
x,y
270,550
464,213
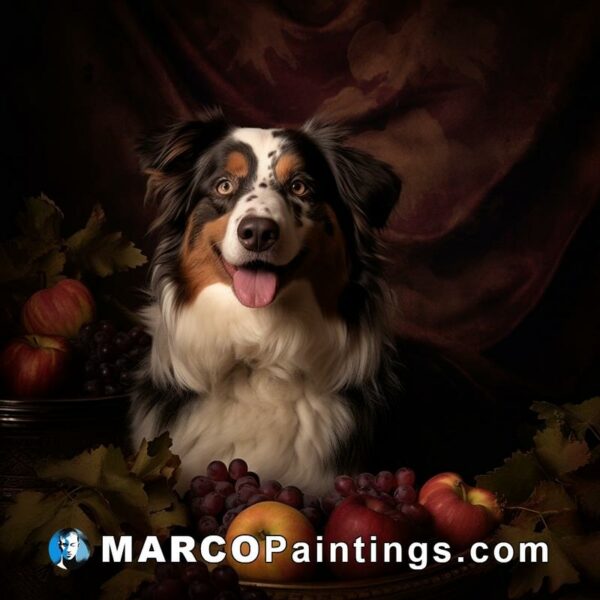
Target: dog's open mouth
x,y
255,284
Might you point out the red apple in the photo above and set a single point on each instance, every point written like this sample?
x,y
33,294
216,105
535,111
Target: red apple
x,y
33,366
461,514
363,516
59,310
272,518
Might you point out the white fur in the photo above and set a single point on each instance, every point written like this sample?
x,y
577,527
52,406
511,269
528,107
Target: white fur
x,y
268,381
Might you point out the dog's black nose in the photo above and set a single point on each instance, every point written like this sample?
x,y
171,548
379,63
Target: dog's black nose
x,y
257,233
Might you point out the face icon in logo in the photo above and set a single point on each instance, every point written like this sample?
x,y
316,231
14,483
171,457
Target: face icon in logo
x,y
68,549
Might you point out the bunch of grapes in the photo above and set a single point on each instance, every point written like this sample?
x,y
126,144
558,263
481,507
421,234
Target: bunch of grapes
x,y
193,581
216,498
110,357
395,490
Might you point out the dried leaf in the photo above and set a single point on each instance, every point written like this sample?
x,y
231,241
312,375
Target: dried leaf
x,y
41,220
102,253
155,459
560,454
125,583
585,484
584,553
515,479
30,511
105,468
529,577
578,417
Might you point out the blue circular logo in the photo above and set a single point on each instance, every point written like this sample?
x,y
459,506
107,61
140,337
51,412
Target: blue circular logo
x,y
69,549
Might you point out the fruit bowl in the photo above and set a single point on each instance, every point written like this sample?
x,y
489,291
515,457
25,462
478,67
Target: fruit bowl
x,y
453,580
38,428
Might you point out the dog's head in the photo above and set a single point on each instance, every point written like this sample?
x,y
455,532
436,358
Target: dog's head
x,y
258,208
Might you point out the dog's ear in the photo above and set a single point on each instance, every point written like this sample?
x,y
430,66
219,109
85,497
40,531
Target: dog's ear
x,y
174,148
368,186
169,156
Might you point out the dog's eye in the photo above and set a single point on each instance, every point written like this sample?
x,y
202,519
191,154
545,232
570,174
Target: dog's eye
x,y
224,187
298,187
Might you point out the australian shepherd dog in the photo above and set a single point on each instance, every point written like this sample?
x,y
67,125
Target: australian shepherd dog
x,y
268,310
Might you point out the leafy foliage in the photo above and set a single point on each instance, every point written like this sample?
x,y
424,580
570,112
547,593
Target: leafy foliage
x,y
98,493
552,495
39,256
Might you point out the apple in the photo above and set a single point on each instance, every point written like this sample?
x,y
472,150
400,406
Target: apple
x,y
33,366
363,516
272,518
59,310
461,514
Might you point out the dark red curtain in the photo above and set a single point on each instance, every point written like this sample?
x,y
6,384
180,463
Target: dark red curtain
x,y
488,111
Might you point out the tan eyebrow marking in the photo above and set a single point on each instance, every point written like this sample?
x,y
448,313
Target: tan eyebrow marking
x,y
287,164
237,164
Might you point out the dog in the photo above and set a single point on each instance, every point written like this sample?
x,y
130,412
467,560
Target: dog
x,y
268,310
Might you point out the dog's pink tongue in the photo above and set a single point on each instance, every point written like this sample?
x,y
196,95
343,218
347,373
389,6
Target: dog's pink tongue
x,y
254,288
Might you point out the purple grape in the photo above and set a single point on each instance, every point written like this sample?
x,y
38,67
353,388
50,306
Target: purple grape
x,y
329,502
365,480
385,481
255,475
196,506
201,590
107,327
344,485
291,495
224,578
232,501
314,515
417,513
106,352
405,494
225,488
213,503
164,571
107,371
126,379
311,502
270,488
112,389
135,331
195,571
92,388
122,342
90,369
169,589
217,471
246,492
245,480
101,337
201,485
405,476
231,514
237,468
256,498
207,525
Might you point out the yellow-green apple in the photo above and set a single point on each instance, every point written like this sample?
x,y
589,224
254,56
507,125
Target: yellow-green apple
x,y
34,366
461,514
363,516
271,518
59,310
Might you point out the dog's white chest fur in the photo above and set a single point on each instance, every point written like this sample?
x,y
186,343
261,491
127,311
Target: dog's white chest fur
x,y
268,383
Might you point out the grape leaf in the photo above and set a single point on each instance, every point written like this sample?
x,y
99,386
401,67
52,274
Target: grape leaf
x,y
41,220
125,583
154,459
69,515
102,253
558,453
105,469
515,479
529,576
163,519
578,417
550,497
584,552
51,265
29,511
92,502
585,484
